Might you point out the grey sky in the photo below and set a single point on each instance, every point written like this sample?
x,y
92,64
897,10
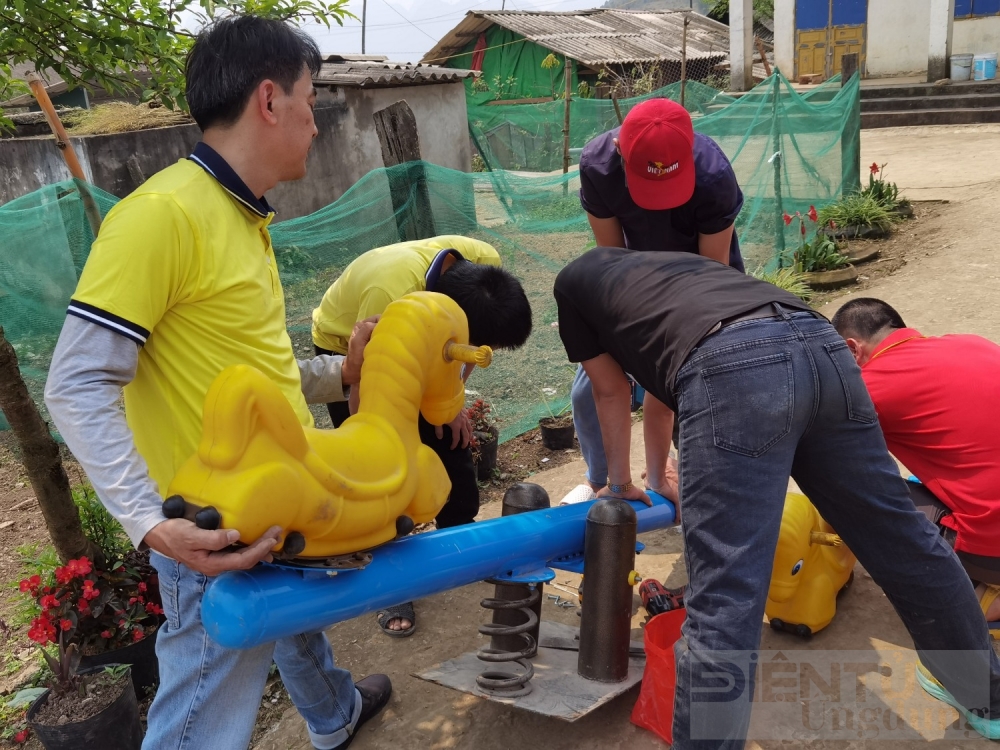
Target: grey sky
x,y
405,29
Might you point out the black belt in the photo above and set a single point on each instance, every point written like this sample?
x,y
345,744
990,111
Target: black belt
x,y
770,310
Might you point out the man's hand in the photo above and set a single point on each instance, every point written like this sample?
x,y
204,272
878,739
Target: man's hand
x,y
201,551
633,493
667,484
350,371
461,430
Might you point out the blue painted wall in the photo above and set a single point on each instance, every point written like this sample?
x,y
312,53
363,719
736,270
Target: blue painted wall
x,y
967,8
851,12
812,14
815,14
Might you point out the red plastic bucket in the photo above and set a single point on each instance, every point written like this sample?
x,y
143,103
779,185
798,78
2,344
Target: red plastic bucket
x,y
655,708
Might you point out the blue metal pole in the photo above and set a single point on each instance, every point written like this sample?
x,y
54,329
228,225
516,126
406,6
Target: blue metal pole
x,y
243,609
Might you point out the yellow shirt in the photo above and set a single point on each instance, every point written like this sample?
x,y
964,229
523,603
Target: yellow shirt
x,y
381,276
187,272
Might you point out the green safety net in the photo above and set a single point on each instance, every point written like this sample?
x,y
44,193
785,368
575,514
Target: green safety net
x,y
534,220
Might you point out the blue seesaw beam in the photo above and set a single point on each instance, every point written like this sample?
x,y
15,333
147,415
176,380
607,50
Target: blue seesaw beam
x,y
243,609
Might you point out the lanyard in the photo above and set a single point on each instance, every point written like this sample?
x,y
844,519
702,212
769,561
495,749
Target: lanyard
x,y
893,346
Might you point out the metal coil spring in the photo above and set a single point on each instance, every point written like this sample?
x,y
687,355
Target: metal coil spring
x,y
504,683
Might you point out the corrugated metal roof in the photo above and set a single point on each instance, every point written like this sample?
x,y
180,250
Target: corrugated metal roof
x,y
597,37
372,72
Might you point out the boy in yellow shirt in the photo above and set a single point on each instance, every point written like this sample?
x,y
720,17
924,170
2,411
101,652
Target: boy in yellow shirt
x,y
468,271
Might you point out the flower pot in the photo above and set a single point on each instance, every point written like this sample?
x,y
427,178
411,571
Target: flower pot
x,y
116,727
862,253
831,279
860,233
905,210
140,656
486,456
557,432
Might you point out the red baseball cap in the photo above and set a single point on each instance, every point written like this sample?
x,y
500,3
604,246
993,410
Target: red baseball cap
x,y
657,145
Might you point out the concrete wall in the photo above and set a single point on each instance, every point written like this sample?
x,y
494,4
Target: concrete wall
x,y
897,36
345,150
784,37
976,35
348,147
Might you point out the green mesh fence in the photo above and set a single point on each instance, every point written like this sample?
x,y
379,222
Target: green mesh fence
x,y
534,220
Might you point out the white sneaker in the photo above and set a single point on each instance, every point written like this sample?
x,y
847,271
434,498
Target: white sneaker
x,y
579,494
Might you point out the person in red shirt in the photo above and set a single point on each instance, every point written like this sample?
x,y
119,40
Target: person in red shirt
x,y
938,403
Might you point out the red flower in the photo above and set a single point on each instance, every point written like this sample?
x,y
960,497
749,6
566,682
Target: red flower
x,y
813,216
31,584
137,635
802,227
105,634
142,587
84,606
42,630
48,602
874,168
154,609
80,567
133,600
63,575
787,218
65,624
21,736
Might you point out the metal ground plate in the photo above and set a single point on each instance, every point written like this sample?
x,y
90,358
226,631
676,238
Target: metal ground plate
x,y
557,690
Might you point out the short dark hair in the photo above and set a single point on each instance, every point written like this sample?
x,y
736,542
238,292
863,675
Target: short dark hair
x,y
864,317
233,55
493,301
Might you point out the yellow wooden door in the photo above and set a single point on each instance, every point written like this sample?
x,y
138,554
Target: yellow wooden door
x,y
847,39
813,47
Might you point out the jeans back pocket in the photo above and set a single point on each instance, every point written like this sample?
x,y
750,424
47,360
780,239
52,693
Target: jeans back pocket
x,y
752,403
859,404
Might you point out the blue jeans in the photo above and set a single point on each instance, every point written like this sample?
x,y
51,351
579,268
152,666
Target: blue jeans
x,y
760,401
209,695
588,428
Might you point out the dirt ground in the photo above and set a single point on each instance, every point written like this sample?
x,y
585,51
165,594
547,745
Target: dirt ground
x,y
939,271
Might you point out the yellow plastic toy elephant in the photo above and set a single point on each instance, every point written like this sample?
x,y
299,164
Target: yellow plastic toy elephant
x,y
811,567
334,492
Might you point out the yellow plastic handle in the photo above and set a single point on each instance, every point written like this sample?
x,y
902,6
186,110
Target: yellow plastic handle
x,y
473,355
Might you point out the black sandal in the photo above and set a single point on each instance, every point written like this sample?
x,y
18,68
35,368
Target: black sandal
x,y
399,612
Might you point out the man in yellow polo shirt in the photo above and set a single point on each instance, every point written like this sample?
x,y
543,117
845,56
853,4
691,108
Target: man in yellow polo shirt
x,y
181,283
499,316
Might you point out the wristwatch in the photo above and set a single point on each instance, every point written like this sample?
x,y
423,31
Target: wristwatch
x,y
619,488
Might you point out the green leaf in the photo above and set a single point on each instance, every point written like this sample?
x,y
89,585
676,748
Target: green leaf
x,y
25,697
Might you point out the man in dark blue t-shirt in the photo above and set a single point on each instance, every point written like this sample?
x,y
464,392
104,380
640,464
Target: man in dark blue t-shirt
x,y
652,184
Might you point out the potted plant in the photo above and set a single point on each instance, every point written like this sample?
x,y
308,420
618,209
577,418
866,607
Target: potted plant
x,y
557,428
857,216
820,261
86,709
485,438
886,193
110,613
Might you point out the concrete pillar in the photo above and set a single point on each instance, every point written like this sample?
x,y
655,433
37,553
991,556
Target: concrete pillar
x,y
942,20
784,37
741,45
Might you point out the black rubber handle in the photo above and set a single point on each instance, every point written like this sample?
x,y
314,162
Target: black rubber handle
x,y
174,507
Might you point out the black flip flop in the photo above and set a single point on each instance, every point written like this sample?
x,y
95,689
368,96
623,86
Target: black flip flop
x,y
399,612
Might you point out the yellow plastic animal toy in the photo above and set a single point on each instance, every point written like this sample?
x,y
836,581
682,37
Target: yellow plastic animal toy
x,y
811,567
334,492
